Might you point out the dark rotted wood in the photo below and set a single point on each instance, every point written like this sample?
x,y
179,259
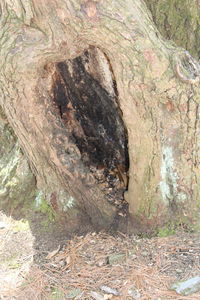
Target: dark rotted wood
x,y
94,124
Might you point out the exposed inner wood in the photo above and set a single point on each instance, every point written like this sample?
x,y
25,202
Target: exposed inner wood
x,y
86,101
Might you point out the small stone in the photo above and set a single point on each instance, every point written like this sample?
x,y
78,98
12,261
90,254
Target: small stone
x,y
109,290
121,214
96,296
187,287
101,262
179,271
92,241
144,253
131,253
3,225
116,258
62,263
134,293
73,293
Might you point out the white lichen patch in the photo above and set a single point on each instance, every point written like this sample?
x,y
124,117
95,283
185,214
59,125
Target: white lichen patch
x,y
38,199
67,201
168,185
70,203
8,166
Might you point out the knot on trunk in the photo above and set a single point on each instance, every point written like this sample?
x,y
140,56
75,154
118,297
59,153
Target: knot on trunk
x,y
186,67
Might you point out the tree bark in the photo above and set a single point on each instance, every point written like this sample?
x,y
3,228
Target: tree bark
x,y
56,50
178,21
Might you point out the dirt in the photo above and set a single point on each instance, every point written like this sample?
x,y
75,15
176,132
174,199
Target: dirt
x,y
94,265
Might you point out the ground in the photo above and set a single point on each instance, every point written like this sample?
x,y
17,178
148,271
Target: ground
x,y
95,266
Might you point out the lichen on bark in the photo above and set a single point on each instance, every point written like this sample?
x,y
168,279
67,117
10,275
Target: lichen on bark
x,y
178,21
17,183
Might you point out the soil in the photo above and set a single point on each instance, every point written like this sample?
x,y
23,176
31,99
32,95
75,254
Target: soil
x,y
95,265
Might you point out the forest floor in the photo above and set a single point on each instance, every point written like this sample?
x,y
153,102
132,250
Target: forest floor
x,y
95,266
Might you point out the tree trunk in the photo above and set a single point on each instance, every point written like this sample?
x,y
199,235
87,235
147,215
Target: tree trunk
x,y
178,21
102,105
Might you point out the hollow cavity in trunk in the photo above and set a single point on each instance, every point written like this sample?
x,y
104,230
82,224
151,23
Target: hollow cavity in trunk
x,y
86,98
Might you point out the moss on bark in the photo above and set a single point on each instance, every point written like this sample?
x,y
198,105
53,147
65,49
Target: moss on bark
x,y
179,21
17,183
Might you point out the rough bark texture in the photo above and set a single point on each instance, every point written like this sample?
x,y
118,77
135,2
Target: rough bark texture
x,y
153,83
178,21
17,183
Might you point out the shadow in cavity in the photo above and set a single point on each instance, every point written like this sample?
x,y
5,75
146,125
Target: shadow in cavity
x,y
88,105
